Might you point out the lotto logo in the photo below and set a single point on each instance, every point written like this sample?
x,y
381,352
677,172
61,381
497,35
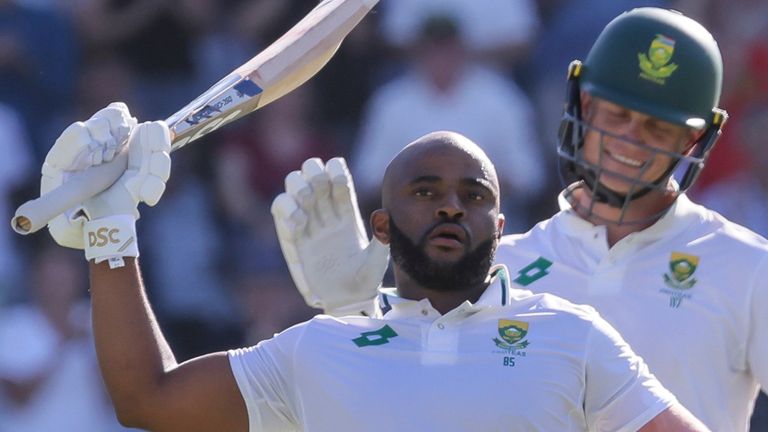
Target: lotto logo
x,y
102,236
376,337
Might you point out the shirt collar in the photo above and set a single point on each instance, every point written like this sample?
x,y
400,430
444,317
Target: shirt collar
x,y
680,215
389,304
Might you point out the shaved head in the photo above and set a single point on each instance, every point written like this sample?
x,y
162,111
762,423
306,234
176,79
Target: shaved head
x,y
440,216
433,144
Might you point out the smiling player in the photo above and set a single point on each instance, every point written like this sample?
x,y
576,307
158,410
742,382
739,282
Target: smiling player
x,y
683,285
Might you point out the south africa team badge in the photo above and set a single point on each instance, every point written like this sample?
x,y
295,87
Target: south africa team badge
x,y
512,334
655,64
680,277
511,340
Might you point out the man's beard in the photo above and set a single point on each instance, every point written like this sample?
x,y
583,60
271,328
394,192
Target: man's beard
x,y
468,272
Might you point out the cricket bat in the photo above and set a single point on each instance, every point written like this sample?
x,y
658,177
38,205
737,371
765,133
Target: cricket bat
x,y
284,65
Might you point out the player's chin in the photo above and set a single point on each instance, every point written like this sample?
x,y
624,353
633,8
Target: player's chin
x,y
445,253
621,184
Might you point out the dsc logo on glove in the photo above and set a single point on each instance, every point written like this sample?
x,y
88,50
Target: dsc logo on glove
x,y
102,236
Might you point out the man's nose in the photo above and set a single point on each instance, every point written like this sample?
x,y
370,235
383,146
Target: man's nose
x,y
633,131
451,207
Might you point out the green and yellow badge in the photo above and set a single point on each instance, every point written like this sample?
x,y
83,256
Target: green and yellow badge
x,y
655,64
512,333
682,267
680,277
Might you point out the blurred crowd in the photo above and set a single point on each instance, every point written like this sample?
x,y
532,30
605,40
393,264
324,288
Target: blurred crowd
x,y
491,69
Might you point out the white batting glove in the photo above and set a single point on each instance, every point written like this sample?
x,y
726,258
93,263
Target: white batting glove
x,y
82,145
324,241
105,225
110,230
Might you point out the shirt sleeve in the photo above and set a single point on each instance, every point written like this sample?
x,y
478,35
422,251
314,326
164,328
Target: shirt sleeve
x,y
264,377
621,393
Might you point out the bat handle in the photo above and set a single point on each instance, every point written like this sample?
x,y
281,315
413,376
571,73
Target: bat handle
x,y
35,214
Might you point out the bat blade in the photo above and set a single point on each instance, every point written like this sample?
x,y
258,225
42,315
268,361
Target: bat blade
x,y
284,65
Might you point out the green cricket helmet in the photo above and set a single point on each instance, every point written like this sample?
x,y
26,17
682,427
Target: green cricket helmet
x,y
658,62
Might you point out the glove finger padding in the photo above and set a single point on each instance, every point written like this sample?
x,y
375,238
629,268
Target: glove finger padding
x,y
84,144
111,231
300,190
149,166
301,193
80,146
103,144
343,194
110,128
120,121
72,150
144,180
324,240
315,175
149,162
290,223
289,218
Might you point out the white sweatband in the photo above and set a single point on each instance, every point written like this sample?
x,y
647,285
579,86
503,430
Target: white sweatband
x,y
111,238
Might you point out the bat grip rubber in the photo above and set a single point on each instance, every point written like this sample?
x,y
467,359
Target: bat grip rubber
x,y
35,214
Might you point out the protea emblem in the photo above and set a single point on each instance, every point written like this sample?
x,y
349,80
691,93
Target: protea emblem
x,y
512,333
682,267
655,63
680,277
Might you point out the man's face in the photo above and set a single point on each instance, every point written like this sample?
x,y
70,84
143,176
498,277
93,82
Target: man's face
x,y
469,270
444,219
629,146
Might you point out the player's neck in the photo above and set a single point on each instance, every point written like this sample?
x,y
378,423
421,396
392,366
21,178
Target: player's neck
x,y
638,215
443,301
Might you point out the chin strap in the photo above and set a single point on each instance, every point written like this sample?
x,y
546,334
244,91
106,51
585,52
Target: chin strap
x,y
603,194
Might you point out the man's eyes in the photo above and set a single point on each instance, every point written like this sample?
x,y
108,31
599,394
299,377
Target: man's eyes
x,y
476,196
618,115
470,195
662,131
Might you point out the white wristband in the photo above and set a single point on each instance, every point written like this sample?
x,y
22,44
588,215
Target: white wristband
x,y
111,238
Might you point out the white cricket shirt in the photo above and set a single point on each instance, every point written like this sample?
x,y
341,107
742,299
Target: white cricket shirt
x,y
530,363
689,294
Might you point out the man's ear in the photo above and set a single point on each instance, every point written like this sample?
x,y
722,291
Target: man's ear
x,y
693,137
585,99
500,225
380,225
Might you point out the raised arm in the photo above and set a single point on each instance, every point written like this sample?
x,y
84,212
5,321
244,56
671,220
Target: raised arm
x,y
149,389
674,419
623,394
